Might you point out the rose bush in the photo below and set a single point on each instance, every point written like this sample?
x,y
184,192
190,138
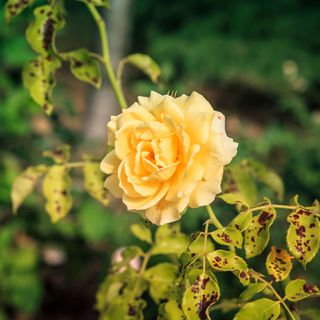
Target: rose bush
x,y
169,153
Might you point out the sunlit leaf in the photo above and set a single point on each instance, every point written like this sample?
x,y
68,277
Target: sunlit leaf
x,y
278,264
59,155
169,240
84,66
171,311
56,189
38,78
24,184
257,235
222,260
98,3
41,33
251,290
94,182
299,289
233,198
15,7
241,221
161,279
141,232
303,235
228,236
199,297
261,309
144,63
197,245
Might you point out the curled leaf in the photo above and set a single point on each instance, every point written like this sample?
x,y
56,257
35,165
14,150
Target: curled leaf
x,y
234,198
38,78
257,235
299,289
24,184
56,189
199,297
278,263
15,7
303,235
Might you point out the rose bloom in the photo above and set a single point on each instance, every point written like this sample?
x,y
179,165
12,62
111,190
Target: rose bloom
x,y
168,155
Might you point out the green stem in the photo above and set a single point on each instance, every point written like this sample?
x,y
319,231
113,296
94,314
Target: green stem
x,y
276,294
106,56
279,206
204,254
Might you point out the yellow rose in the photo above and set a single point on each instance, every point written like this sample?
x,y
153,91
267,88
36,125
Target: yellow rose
x,y
169,154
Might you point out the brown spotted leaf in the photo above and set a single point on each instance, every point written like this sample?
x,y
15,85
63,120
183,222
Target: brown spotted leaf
x,y
228,236
59,155
199,297
41,33
241,221
299,289
278,264
38,78
24,184
94,182
222,260
15,7
83,66
257,234
56,189
303,235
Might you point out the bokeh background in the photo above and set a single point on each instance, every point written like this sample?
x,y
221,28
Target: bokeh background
x,y
256,61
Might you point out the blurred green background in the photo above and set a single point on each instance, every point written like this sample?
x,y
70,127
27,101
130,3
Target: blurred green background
x,y
256,61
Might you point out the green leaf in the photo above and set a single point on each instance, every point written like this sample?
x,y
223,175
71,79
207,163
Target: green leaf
x,y
298,289
59,155
172,311
257,234
278,264
38,78
197,245
98,3
169,240
199,297
261,309
41,33
241,221
15,7
161,279
56,189
141,232
228,236
24,184
144,63
94,182
222,260
84,66
303,235
251,290
233,198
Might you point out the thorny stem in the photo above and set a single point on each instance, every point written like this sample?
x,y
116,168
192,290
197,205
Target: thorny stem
x,y
106,55
216,222
276,294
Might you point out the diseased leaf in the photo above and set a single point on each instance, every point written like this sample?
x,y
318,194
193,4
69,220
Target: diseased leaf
x,y
222,260
241,221
234,198
228,236
94,182
84,66
59,155
56,189
161,279
199,297
197,245
257,234
169,240
299,289
303,235
15,7
24,184
41,33
251,290
144,63
141,232
278,264
38,78
261,309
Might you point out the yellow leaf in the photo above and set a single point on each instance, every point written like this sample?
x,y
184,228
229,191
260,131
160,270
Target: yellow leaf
x,y
279,263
